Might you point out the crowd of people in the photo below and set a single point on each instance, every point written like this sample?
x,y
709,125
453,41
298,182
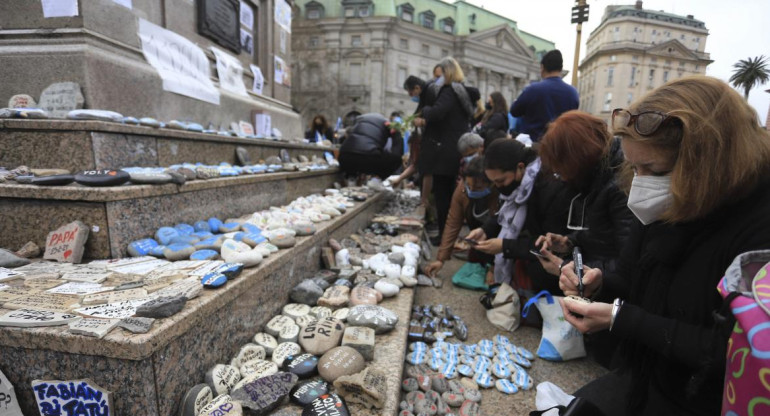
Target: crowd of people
x,y
659,199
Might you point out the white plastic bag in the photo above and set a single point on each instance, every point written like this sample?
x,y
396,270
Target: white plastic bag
x,y
549,395
560,340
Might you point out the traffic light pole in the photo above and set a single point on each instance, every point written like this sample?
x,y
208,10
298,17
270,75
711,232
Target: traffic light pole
x,y
577,48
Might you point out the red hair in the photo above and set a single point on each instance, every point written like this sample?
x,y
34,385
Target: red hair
x,y
574,144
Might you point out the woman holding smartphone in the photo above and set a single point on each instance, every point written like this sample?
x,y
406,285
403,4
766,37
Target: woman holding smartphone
x,y
700,188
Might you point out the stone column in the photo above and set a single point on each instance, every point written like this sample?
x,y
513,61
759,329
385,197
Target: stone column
x,y
483,73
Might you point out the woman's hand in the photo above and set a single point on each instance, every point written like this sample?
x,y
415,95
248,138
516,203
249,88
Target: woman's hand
x,y
553,242
551,262
568,281
434,267
477,235
492,246
418,122
587,317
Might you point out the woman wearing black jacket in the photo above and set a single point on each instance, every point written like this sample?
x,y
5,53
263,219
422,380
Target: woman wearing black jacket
x,y
543,202
496,116
701,195
319,130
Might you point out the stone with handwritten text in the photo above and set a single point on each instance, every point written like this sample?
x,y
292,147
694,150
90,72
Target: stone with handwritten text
x,y
72,397
60,98
340,361
265,394
66,243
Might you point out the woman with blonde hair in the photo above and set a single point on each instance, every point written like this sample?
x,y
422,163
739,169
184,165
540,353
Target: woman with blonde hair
x,y
699,176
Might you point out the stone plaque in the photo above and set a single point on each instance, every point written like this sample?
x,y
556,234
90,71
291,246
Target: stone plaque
x,y
6,275
28,318
142,268
66,243
9,405
93,327
72,397
22,101
77,288
16,292
112,310
87,276
219,20
43,301
60,98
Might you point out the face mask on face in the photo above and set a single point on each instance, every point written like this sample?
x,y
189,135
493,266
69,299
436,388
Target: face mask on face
x,y
440,81
415,99
650,197
488,106
477,194
467,159
508,189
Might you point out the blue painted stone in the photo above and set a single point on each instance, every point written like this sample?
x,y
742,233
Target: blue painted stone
x,y
230,227
202,235
184,229
238,236
436,363
157,251
522,379
465,370
185,239
227,172
214,224
195,127
501,339
251,228
213,280
505,386
204,255
483,379
419,345
500,370
130,120
525,353
231,270
416,357
520,360
178,251
435,353
253,239
449,370
165,234
207,244
202,226
149,121
481,366
469,349
142,247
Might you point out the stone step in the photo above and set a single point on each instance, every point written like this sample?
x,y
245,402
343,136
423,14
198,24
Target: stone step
x,y
150,373
119,215
81,145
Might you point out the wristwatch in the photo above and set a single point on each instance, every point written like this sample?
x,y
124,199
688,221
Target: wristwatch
x,y
615,309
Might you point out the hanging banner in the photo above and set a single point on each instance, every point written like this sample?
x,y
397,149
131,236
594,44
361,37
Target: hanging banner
x,y
230,72
182,65
283,15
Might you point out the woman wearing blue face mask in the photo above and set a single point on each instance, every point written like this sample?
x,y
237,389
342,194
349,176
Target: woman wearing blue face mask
x,y
700,187
473,202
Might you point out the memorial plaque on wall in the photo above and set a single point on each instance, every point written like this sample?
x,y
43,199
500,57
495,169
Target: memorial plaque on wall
x,y
219,20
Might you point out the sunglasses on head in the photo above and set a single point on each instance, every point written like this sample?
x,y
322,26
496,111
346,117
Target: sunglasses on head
x,y
645,123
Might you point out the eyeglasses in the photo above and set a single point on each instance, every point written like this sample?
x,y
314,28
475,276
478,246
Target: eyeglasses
x,y
645,123
570,225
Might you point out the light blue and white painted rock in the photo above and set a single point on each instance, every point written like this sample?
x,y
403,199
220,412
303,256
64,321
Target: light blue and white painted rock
x,y
483,379
213,280
164,235
522,379
465,370
505,386
142,247
184,229
204,255
178,251
202,226
500,370
214,224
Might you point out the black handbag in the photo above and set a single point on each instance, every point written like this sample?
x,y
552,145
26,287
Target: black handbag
x,y
577,407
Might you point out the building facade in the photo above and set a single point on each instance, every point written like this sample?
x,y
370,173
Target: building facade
x,y
635,50
352,56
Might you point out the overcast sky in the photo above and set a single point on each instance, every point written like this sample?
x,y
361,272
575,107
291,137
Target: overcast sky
x,y
738,29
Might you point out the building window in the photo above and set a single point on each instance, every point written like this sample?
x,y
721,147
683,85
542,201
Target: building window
x,y
314,10
697,67
652,76
313,13
355,73
668,62
313,42
406,16
425,49
364,11
610,76
444,52
447,25
427,19
350,12
633,77
630,98
635,58
406,11
355,40
404,43
681,37
613,58
401,76
616,34
607,102
653,60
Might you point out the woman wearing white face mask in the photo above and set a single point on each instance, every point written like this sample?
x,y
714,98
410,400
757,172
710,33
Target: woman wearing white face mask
x,y
700,187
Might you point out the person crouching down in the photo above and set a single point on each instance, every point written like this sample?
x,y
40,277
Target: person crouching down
x,y
371,148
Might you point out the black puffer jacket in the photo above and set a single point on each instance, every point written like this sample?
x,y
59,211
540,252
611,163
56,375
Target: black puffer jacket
x,y
446,120
546,212
497,121
370,135
606,215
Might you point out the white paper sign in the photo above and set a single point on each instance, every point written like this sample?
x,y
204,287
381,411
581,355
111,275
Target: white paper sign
x,y
283,15
247,42
246,128
282,36
61,8
262,123
247,16
230,72
182,65
125,3
259,79
280,68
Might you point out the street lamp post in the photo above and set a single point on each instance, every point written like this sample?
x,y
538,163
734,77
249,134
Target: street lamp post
x,y
579,15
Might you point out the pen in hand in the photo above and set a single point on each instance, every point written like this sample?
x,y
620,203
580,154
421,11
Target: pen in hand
x,y
577,257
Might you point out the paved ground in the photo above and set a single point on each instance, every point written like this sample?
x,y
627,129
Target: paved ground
x,y
568,375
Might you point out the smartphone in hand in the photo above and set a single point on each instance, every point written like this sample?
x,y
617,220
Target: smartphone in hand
x,y
471,242
538,254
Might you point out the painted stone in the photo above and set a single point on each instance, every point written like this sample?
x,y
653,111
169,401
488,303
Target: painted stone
x,y
210,243
277,323
266,341
93,327
10,403
361,339
361,295
137,325
42,301
22,101
178,251
303,365
195,399
247,354
98,115
295,310
304,321
469,408
289,333
327,404
367,388
340,361
30,318
102,177
221,378
284,350
341,314
161,307
265,394
335,297
373,316
164,235
150,178
213,280
66,243
320,312
222,405
141,248
60,98
322,335
204,255
304,392
72,396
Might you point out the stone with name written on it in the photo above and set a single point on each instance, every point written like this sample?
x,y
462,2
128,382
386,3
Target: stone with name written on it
x,y
141,247
195,399
289,333
237,252
320,312
178,251
184,229
202,226
93,327
361,339
60,98
204,255
43,301
303,228
362,295
22,101
304,321
98,115
266,341
66,243
53,180
373,316
303,365
295,310
164,235
185,239
150,178
322,335
304,392
367,388
265,394
469,408
327,405
10,404
256,369
248,353
136,325
306,292
335,297
75,397
102,177
6,275
341,314
283,350
222,405
277,323
340,361
161,307
221,378
30,318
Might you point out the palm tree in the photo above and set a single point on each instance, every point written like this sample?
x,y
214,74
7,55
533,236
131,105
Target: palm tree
x,y
750,72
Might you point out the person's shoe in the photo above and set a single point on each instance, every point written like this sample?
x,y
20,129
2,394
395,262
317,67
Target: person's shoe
x,y
435,241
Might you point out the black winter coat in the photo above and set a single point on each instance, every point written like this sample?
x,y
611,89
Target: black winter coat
x,y
446,120
311,134
547,209
370,135
497,121
606,215
668,276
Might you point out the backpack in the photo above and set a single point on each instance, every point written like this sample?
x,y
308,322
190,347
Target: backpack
x,y
746,292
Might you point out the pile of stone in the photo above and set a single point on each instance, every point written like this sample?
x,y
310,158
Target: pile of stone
x,y
402,203
431,323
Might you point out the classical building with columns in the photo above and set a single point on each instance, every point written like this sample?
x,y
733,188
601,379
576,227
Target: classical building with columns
x,y
635,50
351,57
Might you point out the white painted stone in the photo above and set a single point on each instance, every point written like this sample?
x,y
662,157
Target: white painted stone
x,y
9,404
66,243
50,395
79,288
248,353
29,318
118,310
284,350
6,275
93,327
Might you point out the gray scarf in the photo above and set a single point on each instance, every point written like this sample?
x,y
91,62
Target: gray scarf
x,y
511,217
